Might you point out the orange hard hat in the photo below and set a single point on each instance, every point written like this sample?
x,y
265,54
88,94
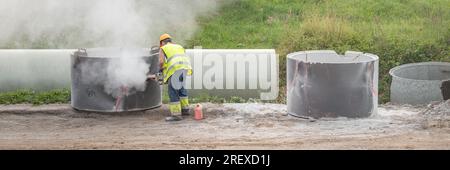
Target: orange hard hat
x,y
164,36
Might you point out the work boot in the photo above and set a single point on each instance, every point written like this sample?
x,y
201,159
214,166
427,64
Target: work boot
x,y
175,112
185,112
184,101
173,118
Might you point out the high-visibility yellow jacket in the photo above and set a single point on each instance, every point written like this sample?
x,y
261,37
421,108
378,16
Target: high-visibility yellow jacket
x,y
175,59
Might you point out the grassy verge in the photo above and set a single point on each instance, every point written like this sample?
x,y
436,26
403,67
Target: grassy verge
x,y
62,96
398,31
36,98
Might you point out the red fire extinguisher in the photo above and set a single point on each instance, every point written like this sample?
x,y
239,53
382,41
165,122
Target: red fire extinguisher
x,y
198,112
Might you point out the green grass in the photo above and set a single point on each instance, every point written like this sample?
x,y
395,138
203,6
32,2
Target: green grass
x,y
398,31
202,98
35,98
63,96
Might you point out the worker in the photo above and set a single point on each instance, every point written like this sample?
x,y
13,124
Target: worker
x,y
175,66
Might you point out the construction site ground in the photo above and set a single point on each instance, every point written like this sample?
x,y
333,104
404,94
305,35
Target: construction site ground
x,y
226,126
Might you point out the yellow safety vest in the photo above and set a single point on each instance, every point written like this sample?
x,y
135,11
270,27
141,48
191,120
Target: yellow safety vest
x,y
176,59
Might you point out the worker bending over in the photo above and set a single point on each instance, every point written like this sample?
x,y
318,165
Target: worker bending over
x,y
175,65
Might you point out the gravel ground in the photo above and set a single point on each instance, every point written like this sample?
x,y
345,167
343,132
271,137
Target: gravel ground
x,y
226,126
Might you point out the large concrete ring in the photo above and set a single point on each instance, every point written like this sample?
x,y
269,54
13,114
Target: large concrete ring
x,y
418,83
325,84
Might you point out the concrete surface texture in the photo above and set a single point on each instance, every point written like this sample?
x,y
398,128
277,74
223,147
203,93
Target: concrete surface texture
x,y
325,84
226,126
418,83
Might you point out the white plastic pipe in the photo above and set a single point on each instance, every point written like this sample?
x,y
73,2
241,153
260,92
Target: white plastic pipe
x,y
248,73
34,69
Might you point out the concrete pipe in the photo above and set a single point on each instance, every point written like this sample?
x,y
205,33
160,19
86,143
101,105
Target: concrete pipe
x,y
245,73
325,84
418,83
103,80
39,70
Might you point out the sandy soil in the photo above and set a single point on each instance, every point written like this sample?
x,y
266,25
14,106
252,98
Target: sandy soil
x,y
228,126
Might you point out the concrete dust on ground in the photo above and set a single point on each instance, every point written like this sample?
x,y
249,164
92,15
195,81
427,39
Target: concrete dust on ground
x,y
437,115
226,126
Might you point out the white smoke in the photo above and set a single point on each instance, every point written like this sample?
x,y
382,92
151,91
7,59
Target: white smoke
x,y
94,23
126,74
123,73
